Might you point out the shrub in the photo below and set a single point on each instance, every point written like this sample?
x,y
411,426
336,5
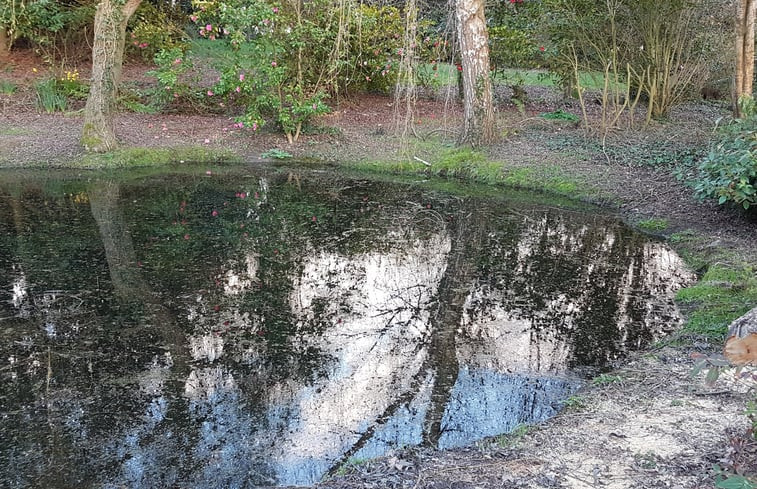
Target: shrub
x,y
290,61
171,64
729,171
56,30
152,30
661,49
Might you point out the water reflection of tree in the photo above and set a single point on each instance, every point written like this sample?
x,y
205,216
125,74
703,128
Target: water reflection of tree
x,y
167,253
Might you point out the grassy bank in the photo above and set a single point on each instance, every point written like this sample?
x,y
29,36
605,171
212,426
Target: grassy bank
x,y
143,157
469,165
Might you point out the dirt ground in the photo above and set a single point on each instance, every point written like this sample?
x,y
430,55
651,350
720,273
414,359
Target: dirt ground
x,y
655,426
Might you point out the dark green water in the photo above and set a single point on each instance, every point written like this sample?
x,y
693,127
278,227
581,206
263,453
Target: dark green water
x,y
256,328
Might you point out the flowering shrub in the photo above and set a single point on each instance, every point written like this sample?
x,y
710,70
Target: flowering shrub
x,y
376,48
151,30
274,78
171,64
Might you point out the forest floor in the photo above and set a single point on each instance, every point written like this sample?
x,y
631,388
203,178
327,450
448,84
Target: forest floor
x,y
649,423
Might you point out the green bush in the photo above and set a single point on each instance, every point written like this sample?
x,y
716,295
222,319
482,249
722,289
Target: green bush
x,y
729,171
56,30
152,30
171,65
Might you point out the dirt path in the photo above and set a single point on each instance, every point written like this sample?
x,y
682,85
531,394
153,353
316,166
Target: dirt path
x,y
652,426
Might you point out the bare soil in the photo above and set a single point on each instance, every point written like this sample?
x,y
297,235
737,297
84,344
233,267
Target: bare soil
x,y
655,427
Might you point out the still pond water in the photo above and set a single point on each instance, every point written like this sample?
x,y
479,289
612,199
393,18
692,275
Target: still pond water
x,y
262,327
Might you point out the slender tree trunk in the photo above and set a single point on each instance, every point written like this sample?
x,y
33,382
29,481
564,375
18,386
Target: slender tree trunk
x,y
5,46
98,133
479,126
744,74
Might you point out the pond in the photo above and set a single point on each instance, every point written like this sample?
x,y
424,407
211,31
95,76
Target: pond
x,y
247,327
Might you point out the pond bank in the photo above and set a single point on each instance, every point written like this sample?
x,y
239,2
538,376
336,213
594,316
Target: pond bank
x,y
644,424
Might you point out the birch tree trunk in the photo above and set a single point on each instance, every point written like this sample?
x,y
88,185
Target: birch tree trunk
x,y
478,126
98,133
744,74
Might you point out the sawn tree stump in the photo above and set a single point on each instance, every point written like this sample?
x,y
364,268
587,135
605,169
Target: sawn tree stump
x,y
741,345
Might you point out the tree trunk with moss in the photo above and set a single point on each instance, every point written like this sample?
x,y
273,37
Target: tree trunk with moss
x,y
744,74
98,132
479,125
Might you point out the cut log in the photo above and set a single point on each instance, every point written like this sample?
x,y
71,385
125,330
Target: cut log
x,y
741,345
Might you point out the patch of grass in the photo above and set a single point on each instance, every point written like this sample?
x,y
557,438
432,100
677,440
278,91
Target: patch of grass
x,y
510,439
548,179
653,225
606,379
276,154
143,157
458,163
470,165
350,466
575,402
560,115
724,293
7,87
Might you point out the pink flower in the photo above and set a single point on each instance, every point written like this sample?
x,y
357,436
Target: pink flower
x,y
275,10
273,63
214,213
208,27
193,18
237,89
177,61
210,93
207,141
254,126
208,172
314,219
315,106
241,77
186,236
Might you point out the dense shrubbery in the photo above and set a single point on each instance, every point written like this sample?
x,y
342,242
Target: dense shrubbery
x,y
663,50
729,172
290,57
152,29
56,30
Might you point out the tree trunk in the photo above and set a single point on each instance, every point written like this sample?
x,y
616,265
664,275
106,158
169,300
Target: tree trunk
x,y
744,74
741,345
98,133
5,46
478,126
